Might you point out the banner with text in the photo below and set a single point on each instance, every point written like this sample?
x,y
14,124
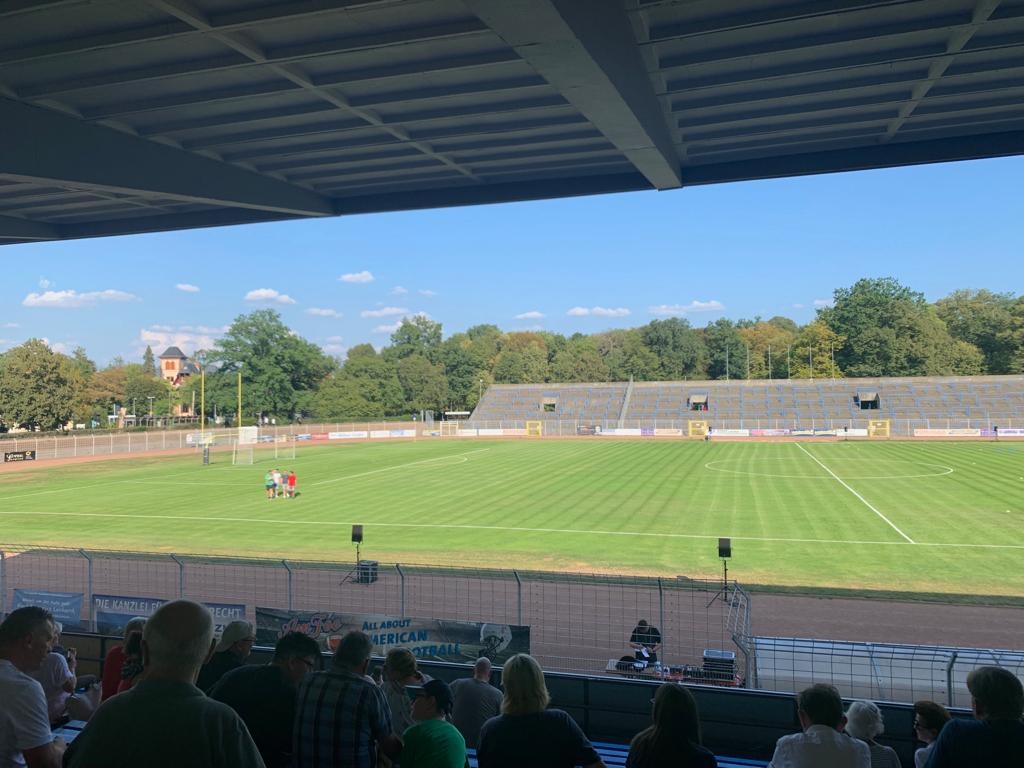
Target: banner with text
x,y
456,641
113,612
66,607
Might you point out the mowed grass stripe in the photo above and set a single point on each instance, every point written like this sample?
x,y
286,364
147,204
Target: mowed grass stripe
x,y
651,507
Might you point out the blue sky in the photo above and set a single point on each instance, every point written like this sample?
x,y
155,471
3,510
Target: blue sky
x,y
587,264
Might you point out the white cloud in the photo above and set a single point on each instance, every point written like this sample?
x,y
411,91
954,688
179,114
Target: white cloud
x,y
74,299
598,312
357,277
318,312
821,303
399,291
683,309
388,328
187,287
44,283
186,338
10,325
333,345
427,292
269,294
384,312
532,315
799,306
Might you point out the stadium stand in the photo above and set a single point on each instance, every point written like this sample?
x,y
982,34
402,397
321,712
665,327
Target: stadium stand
x,y
909,403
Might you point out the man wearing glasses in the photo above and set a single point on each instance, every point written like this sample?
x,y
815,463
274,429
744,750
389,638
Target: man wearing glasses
x,y
264,696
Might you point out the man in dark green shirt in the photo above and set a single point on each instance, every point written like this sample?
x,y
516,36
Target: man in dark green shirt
x,y
432,742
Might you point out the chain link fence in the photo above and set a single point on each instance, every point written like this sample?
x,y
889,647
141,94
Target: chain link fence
x,y
578,622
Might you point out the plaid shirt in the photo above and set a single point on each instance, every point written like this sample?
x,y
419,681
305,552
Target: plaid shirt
x,y
338,718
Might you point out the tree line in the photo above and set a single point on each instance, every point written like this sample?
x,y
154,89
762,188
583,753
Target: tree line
x,y
876,327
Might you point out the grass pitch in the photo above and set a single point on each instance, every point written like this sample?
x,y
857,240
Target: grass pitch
x,y
941,518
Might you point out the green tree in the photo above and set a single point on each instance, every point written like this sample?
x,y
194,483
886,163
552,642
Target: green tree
x,y
811,353
680,349
417,335
37,387
984,319
377,378
149,362
726,352
342,397
278,367
627,356
889,330
423,383
579,361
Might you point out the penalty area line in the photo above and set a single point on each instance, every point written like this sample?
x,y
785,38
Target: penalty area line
x,y
863,500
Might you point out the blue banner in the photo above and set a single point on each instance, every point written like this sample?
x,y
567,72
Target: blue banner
x,y
113,612
66,607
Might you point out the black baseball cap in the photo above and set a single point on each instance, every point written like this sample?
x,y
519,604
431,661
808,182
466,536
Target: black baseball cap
x,y
438,689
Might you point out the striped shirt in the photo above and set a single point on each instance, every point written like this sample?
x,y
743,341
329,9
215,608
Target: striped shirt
x,y
338,719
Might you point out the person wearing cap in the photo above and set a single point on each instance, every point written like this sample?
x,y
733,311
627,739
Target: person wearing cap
x,y
433,742
232,650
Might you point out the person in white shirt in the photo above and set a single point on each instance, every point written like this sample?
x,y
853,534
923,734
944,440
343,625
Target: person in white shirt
x,y
26,637
822,744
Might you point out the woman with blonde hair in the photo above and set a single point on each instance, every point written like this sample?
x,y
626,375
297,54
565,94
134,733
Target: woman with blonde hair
x,y
400,670
674,737
864,722
526,732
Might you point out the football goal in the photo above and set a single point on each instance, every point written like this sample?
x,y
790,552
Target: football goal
x,y
254,453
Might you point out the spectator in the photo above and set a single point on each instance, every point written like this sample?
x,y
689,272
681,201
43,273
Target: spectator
x,y
165,720
232,650
995,738
526,732
674,738
131,667
822,743
929,720
342,717
57,677
476,701
26,637
264,695
864,722
400,670
114,660
433,742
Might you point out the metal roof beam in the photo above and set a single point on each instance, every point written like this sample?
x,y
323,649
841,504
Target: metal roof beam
x,y
586,50
12,228
239,60
891,155
43,146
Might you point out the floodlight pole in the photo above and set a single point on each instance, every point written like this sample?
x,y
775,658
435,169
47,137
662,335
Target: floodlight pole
x,y
240,395
202,402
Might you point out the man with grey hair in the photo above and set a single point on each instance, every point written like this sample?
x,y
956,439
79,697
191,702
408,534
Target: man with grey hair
x,y
26,637
342,717
995,738
476,702
165,720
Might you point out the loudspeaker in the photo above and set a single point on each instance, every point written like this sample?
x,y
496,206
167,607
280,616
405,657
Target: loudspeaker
x,y
357,534
725,548
366,571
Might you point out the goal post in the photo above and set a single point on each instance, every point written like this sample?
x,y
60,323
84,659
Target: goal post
x,y
534,428
242,454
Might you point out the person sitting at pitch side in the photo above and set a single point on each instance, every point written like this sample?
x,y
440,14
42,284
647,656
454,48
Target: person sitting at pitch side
x,y
646,640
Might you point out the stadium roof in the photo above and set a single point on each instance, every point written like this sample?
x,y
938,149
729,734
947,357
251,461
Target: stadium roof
x,y
122,116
